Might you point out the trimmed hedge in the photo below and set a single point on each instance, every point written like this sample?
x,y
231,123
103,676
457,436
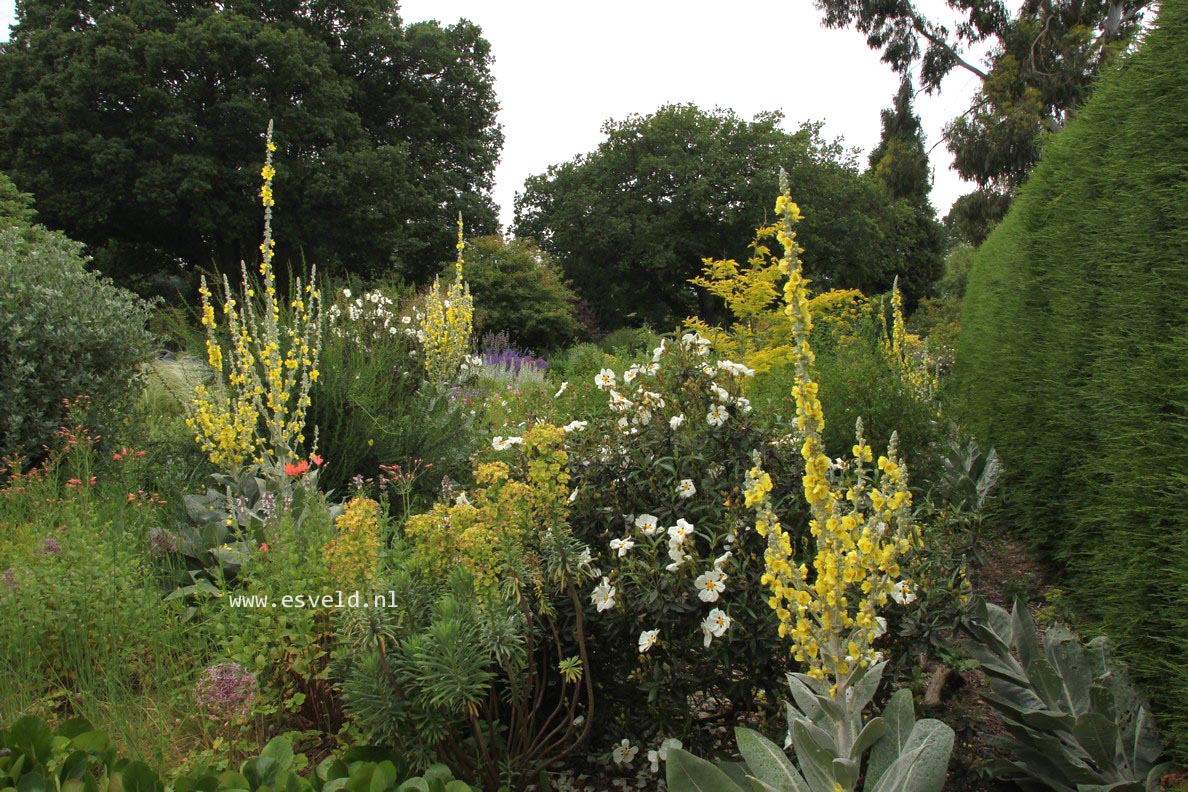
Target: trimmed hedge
x,y
1073,359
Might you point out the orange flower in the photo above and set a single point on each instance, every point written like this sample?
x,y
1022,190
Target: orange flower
x,y
317,460
296,470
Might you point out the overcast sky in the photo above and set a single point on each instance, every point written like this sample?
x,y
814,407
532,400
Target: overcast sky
x,y
562,69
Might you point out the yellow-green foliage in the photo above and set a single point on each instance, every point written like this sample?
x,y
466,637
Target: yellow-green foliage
x,y
498,520
263,363
353,555
861,530
447,325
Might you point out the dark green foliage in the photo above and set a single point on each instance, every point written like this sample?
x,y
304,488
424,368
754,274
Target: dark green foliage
x,y
518,289
372,407
138,128
1073,359
630,222
64,332
79,758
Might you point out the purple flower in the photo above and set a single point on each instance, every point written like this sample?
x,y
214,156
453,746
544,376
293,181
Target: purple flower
x,y
50,546
9,577
225,691
162,542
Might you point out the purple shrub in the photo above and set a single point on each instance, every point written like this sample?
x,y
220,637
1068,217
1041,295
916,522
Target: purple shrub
x,y
50,546
162,542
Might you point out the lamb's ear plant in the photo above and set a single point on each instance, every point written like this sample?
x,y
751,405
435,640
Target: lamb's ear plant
x,y
861,523
1074,721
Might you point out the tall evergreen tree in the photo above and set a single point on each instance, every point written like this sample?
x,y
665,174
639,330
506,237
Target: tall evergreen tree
x,y
137,126
899,163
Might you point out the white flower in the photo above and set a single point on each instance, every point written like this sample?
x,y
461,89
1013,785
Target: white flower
x,y
722,559
722,394
579,720
562,389
880,626
603,595
573,495
676,421
605,379
902,593
717,415
618,401
659,351
648,524
643,416
661,755
744,405
462,500
715,625
736,368
651,369
678,533
677,555
691,340
576,426
503,443
685,489
647,639
710,585
630,374
624,753
622,545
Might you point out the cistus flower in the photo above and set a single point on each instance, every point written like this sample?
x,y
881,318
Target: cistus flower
x,y
603,595
710,585
686,488
715,625
647,639
656,756
624,753
225,692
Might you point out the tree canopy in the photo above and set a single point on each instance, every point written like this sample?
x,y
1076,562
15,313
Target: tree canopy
x,y
1040,69
138,125
631,222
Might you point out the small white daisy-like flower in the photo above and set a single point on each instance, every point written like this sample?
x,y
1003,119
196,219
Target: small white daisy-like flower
x,y
647,639
564,387
630,374
722,559
717,415
686,489
504,443
576,426
676,421
659,351
651,369
603,595
715,625
605,379
656,756
677,555
722,394
624,753
621,546
678,533
880,626
648,524
710,585
902,593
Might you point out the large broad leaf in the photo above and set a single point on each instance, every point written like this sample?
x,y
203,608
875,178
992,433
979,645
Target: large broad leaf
x,y
899,719
1024,635
279,749
1068,660
768,762
871,733
863,685
1099,738
688,773
30,735
139,777
814,759
924,762
1145,748
805,698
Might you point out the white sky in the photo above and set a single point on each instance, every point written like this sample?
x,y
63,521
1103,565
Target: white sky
x,y
563,68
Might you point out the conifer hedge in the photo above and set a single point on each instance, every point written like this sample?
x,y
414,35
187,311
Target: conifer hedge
x,y
1073,359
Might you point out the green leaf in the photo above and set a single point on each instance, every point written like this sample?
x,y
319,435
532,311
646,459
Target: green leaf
x,y
768,762
874,729
688,773
279,749
1099,738
30,735
814,760
924,762
899,717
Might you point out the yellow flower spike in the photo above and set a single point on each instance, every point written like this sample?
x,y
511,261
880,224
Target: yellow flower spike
x,y
828,619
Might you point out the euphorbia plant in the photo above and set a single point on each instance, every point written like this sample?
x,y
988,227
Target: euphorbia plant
x,y
861,522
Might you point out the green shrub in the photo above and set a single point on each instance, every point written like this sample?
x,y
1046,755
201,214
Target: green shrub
x,y
64,332
1073,360
518,288
628,341
372,407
